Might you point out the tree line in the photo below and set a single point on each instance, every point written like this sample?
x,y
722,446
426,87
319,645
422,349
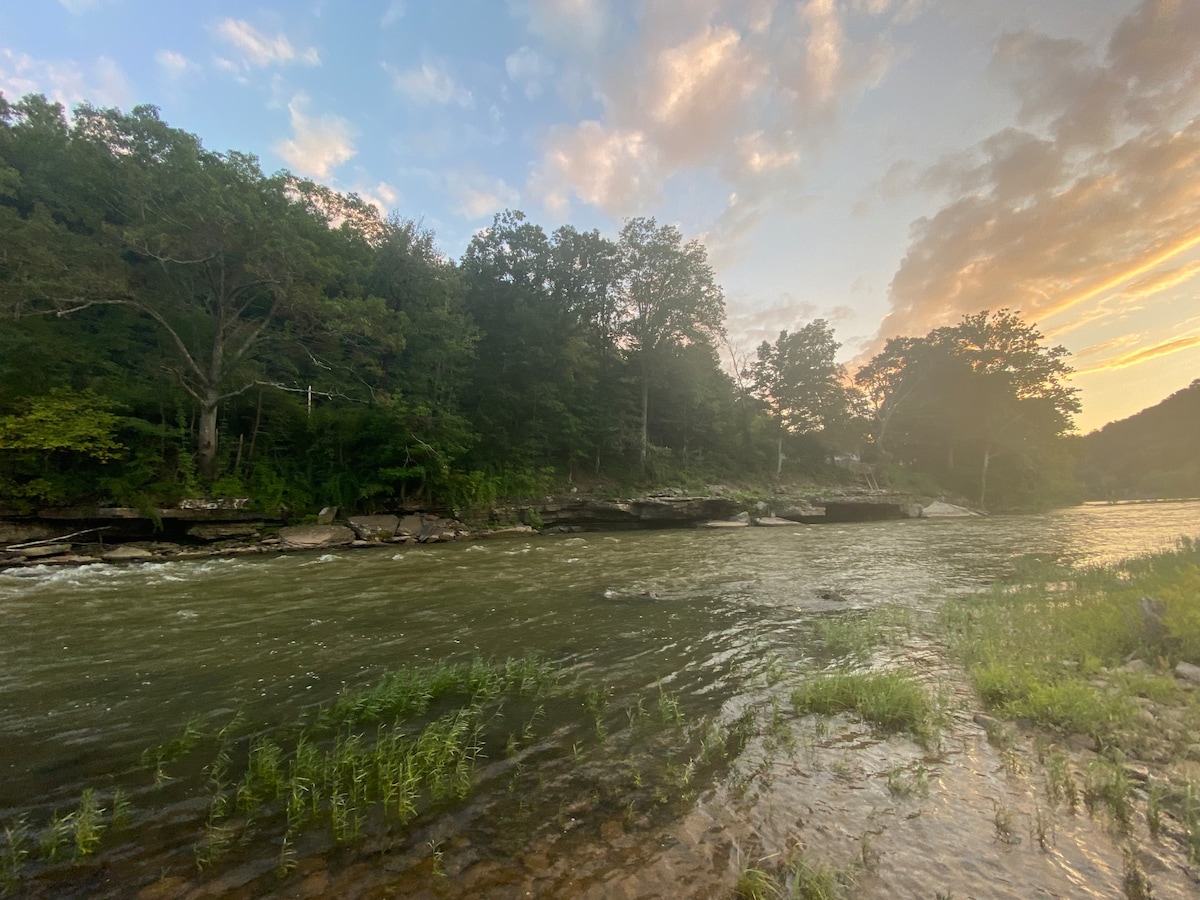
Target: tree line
x,y
176,322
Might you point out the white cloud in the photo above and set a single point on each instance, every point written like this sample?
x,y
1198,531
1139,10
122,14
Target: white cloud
x,y
478,196
175,64
429,84
64,81
528,69
382,196
319,143
580,24
393,14
260,50
736,89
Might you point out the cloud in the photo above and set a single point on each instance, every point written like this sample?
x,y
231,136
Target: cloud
x,y
429,84
1162,281
319,143
1093,190
478,196
175,64
64,81
1137,357
394,13
744,92
259,50
382,196
525,67
578,24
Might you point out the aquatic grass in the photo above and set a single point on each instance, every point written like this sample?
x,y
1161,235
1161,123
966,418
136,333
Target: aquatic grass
x,y
87,824
892,701
13,854
1050,647
799,878
1106,784
1060,782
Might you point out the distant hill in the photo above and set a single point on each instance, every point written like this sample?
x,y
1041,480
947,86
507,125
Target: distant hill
x,y
1155,453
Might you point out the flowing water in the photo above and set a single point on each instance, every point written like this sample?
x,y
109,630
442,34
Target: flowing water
x,y
682,631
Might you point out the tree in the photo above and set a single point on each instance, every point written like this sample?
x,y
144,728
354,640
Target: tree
x,y
985,388
201,243
669,297
800,382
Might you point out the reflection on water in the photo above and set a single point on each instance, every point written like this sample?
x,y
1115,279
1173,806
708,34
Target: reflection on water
x,y
99,663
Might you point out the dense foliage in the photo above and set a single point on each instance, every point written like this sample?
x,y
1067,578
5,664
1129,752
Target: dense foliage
x,y
1155,453
176,322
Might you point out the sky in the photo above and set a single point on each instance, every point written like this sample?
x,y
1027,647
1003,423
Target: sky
x,y
886,165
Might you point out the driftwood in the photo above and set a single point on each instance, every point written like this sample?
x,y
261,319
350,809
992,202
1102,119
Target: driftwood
x,y
55,540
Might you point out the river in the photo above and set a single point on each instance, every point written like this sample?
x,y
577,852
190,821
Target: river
x,y
99,663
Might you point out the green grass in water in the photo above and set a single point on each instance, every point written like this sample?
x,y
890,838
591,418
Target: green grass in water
x,y
889,700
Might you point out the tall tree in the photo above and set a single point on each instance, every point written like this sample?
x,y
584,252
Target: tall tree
x,y
670,298
801,382
986,388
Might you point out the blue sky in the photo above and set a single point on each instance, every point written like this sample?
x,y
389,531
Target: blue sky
x,y
888,165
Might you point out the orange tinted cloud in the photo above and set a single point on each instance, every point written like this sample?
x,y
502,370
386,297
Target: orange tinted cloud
x,y
1096,188
1144,355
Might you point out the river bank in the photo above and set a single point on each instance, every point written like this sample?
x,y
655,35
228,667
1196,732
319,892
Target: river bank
x,y
215,529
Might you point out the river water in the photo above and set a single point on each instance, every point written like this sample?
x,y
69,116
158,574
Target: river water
x,y
97,664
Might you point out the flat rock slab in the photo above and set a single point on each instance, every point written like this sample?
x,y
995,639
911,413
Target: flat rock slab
x,y
127,554
726,523
374,528
42,550
774,522
223,531
941,510
316,536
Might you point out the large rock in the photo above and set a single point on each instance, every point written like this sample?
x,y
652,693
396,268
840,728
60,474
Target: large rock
x,y
314,536
646,512
374,528
327,515
127,553
773,522
728,523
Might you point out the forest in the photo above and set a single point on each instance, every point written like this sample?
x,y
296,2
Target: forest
x,y
176,323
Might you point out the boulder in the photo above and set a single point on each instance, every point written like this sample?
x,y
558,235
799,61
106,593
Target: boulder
x,y
412,524
1188,672
374,528
1154,627
646,512
314,536
327,515
127,553
223,531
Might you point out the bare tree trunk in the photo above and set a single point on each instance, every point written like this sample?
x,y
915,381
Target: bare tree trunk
x,y
645,416
987,458
779,456
206,442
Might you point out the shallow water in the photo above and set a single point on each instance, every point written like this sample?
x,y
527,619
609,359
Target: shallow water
x,y
99,663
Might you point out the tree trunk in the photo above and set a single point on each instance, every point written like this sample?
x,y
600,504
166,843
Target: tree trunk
x,y
206,444
987,458
645,416
779,457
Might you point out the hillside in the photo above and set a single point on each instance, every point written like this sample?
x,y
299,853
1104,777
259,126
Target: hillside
x,y
1155,453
